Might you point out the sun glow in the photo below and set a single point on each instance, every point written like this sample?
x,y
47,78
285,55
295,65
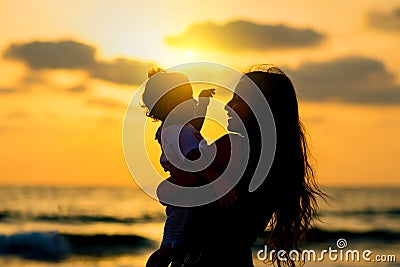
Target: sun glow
x,y
189,54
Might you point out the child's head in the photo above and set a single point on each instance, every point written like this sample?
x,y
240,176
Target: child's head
x,y
164,91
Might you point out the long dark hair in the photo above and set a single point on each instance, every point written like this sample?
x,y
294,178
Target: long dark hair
x,y
290,187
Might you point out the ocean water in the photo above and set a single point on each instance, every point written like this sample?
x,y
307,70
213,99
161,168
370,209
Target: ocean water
x,y
100,226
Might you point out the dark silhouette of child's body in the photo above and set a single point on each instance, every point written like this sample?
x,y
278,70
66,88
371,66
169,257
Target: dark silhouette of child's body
x,y
161,98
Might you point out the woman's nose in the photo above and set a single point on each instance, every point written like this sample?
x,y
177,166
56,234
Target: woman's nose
x,y
228,109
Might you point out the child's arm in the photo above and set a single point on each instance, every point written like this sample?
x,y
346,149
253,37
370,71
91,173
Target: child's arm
x,y
204,100
189,147
222,158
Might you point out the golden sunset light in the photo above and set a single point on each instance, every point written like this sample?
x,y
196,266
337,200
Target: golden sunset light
x,y
69,71
102,133
189,54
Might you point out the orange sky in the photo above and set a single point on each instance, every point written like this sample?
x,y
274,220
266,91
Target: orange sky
x,y
63,124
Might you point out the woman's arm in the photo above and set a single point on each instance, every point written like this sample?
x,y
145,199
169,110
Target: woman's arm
x,y
214,170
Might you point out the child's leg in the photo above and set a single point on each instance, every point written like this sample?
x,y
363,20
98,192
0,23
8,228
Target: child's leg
x,y
175,226
177,220
162,257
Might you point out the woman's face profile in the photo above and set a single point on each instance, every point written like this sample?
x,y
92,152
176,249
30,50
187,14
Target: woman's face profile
x,y
238,110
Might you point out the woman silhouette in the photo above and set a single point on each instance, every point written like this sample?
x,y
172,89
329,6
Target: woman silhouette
x,y
285,201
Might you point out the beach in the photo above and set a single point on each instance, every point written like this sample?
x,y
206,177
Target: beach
x,y
115,226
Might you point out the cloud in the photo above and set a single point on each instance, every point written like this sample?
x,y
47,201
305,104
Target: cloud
x,y
7,90
349,79
385,21
78,89
53,55
122,71
75,55
245,35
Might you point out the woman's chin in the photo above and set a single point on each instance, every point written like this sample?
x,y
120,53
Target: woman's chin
x,y
233,128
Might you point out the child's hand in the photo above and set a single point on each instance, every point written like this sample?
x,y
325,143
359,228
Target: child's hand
x,y
204,96
207,93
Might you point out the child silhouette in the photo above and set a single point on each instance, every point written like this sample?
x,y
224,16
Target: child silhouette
x,y
163,93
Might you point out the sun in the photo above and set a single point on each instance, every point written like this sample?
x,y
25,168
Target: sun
x,y
189,54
